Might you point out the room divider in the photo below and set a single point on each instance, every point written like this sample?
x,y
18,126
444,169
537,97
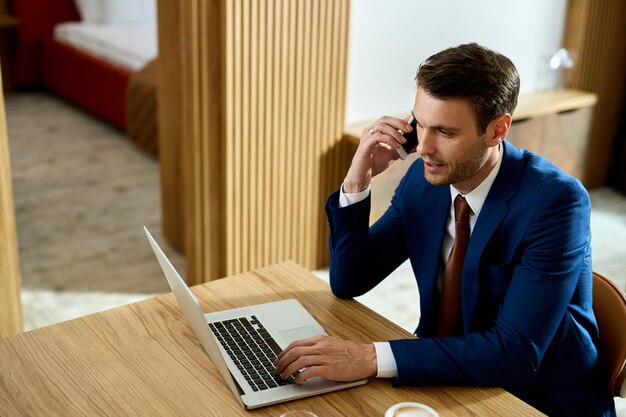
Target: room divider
x,y
251,115
10,302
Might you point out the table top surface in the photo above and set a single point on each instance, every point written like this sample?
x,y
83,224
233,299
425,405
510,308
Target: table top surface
x,y
143,359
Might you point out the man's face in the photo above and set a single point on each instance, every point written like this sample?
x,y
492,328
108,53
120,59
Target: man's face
x,y
448,142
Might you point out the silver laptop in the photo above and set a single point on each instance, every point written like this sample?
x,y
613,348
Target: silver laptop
x,y
244,342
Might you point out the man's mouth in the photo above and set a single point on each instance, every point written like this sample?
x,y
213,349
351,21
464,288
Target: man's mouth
x,y
433,167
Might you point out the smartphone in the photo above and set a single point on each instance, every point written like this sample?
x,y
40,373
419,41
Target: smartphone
x,y
411,140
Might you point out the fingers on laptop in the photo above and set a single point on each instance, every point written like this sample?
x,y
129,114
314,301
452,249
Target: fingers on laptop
x,y
328,357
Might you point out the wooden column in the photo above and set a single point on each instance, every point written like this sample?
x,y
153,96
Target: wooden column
x,y
172,49
261,86
10,303
595,32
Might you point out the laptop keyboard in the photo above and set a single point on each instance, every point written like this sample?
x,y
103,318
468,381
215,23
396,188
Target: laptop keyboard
x,y
252,349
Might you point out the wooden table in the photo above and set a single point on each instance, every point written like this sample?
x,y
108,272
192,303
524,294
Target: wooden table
x,y
143,359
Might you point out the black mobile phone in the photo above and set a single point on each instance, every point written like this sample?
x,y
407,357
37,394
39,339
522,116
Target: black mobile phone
x,y
411,140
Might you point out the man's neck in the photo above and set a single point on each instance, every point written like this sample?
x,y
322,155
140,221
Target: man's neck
x,y
465,187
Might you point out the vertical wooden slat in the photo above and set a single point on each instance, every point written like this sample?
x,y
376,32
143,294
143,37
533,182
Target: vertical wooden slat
x,y
341,166
259,136
296,140
283,59
268,110
208,139
170,111
317,87
192,148
289,132
325,36
244,197
232,29
10,303
332,93
253,138
234,169
204,93
335,114
282,159
595,32
315,129
306,137
276,207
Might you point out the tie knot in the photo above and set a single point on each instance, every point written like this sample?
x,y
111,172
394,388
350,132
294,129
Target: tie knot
x,y
461,209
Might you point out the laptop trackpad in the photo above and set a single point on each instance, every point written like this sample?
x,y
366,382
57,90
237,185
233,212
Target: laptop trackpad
x,y
298,333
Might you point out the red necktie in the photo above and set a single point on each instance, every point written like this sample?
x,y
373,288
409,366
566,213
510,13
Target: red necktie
x,y
450,323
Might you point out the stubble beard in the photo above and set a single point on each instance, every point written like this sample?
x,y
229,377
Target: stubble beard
x,y
462,169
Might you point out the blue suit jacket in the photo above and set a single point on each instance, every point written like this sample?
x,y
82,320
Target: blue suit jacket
x,y
526,292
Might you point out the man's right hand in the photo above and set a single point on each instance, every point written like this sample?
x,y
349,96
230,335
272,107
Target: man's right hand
x,y
376,152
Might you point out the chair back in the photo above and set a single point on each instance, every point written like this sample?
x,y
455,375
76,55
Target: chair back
x,y
609,307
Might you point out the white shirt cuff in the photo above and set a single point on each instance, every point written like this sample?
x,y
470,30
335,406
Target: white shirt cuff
x,y
347,199
387,367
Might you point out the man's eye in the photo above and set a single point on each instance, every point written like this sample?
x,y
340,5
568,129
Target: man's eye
x,y
445,133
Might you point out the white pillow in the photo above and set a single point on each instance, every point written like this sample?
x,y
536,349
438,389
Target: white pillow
x,y
90,11
128,12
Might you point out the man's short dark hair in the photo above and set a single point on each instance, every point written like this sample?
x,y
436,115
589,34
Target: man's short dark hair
x,y
487,79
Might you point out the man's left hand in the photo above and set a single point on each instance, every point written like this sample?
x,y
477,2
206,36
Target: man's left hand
x,y
332,358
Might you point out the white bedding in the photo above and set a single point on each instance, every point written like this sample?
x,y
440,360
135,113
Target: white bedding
x,y
129,47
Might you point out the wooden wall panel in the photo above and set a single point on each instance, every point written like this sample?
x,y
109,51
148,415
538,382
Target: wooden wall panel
x,y
203,144
10,302
169,95
595,32
260,97
288,61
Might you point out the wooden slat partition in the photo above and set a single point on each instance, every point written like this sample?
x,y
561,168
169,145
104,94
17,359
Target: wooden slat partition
x,y
10,302
286,106
170,81
596,33
261,86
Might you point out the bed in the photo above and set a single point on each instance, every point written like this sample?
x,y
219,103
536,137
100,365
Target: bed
x,y
60,47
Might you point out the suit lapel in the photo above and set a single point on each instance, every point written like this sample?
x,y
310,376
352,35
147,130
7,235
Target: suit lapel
x,y
491,215
494,210
433,206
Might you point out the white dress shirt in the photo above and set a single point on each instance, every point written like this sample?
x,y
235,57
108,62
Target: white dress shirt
x,y
387,367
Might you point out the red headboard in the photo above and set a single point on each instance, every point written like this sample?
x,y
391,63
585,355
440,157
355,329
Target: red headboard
x,y
37,19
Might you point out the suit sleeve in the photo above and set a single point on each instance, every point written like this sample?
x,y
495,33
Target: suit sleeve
x,y
543,281
360,256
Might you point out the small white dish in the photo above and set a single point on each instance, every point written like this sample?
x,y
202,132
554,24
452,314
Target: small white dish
x,y
409,409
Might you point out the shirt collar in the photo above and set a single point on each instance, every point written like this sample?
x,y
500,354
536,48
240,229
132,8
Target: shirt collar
x,y
476,198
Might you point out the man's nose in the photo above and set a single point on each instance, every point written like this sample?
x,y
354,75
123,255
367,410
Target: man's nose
x,y
425,143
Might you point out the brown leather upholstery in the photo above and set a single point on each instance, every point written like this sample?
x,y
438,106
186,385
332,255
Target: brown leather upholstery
x,y
609,306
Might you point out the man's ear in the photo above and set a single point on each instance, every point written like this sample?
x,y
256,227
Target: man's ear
x,y
501,126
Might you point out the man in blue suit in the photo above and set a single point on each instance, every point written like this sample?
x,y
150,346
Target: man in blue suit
x,y
517,313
